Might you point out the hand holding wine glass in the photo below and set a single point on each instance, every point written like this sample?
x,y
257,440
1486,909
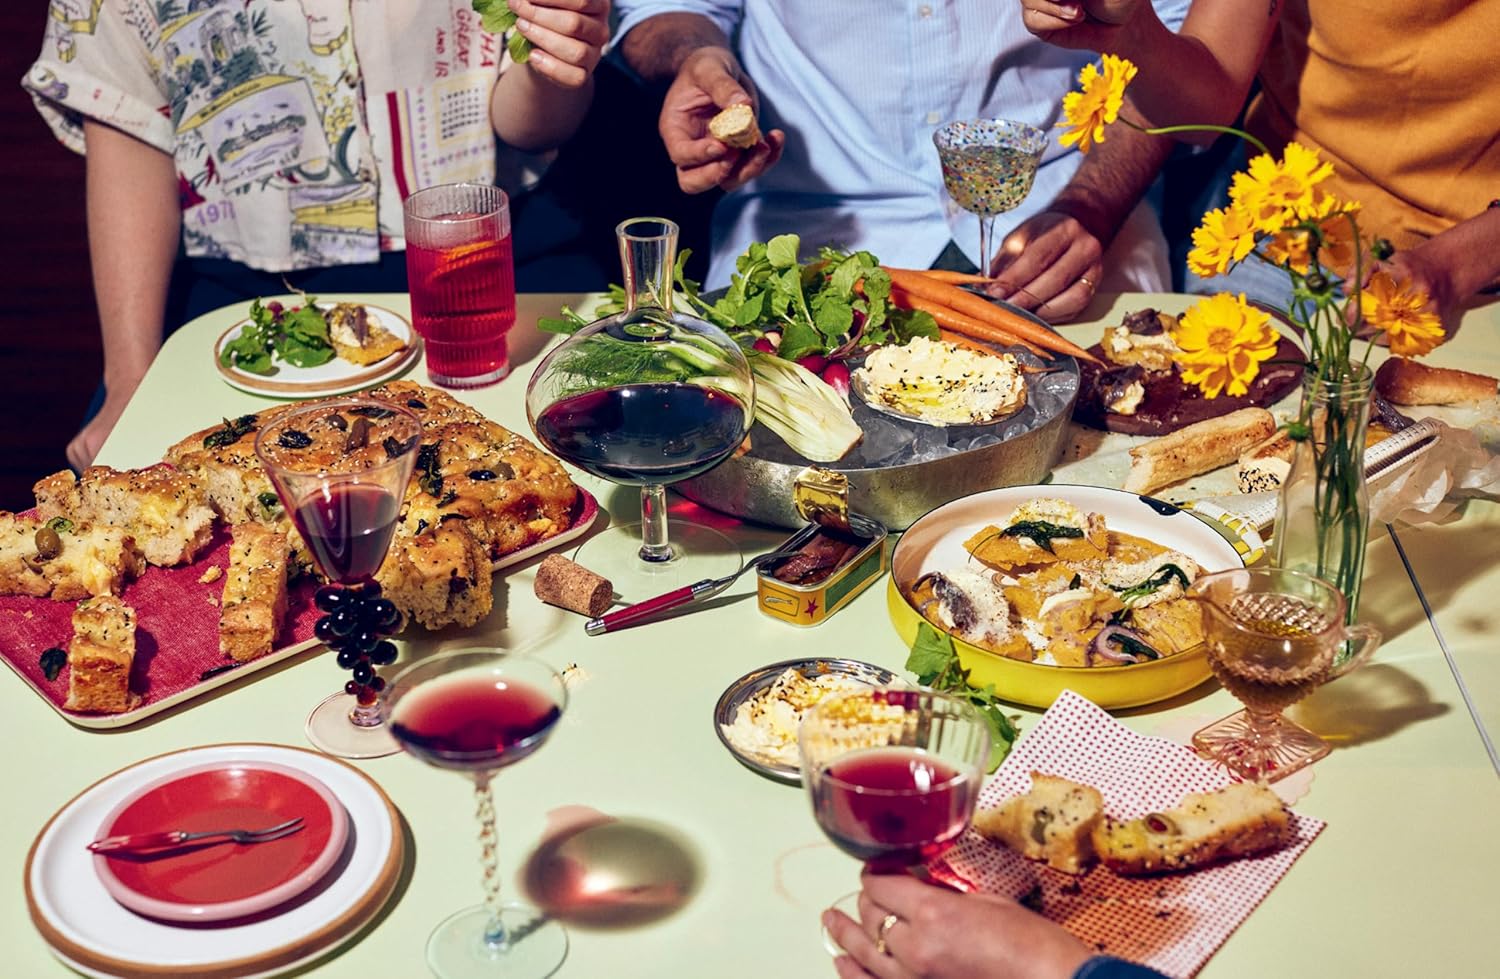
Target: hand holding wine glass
x,y
340,469
476,711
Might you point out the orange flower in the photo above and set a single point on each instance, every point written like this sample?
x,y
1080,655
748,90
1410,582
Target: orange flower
x,y
1088,111
1401,313
1289,249
1277,194
1225,237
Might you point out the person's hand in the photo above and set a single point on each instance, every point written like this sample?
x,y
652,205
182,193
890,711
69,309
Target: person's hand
x,y
86,444
1049,265
942,934
1081,24
710,80
567,37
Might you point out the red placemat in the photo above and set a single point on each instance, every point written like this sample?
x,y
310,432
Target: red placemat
x,y
177,628
1171,922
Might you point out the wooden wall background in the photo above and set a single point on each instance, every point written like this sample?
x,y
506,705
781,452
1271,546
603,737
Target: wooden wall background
x,y
49,340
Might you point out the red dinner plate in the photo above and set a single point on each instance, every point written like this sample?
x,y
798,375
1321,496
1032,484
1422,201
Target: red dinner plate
x,y
224,880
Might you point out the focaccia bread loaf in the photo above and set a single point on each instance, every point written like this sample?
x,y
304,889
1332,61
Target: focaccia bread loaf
x,y
162,510
735,126
1197,448
100,656
83,560
440,577
254,599
1406,382
1235,821
1054,822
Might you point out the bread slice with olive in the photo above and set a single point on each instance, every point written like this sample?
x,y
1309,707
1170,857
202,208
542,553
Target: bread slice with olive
x,y
1238,820
161,509
63,560
1054,823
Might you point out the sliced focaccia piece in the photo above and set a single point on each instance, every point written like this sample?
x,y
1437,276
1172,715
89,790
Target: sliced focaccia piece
x,y
1053,823
1235,821
254,600
358,337
100,656
162,510
222,461
439,577
63,559
1041,531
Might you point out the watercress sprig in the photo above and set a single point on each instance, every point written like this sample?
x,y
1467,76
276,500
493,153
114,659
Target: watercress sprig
x,y
935,662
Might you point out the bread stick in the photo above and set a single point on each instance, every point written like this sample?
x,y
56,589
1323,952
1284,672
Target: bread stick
x,y
1196,449
1406,382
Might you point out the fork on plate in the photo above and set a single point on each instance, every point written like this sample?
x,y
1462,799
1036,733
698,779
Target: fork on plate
x,y
145,842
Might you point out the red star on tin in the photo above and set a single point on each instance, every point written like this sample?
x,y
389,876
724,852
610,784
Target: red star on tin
x,y
812,606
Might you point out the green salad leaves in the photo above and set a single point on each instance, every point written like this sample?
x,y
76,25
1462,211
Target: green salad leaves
x,y
498,18
935,662
296,336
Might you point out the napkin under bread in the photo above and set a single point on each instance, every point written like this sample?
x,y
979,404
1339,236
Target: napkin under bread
x,y
1172,922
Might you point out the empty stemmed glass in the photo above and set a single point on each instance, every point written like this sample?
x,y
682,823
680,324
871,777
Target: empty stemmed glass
x,y
341,469
988,166
647,397
1273,636
893,775
476,711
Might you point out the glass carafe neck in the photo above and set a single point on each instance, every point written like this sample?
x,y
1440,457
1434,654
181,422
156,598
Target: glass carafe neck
x,y
648,249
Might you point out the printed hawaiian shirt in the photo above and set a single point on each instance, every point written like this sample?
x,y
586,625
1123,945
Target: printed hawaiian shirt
x,y
297,126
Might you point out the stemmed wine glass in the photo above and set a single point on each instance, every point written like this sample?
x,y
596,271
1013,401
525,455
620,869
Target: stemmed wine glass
x,y
341,469
1273,636
477,711
988,167
647,397
893,775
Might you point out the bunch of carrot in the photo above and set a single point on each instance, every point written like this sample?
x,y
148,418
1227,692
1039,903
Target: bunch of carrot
x,y
964,317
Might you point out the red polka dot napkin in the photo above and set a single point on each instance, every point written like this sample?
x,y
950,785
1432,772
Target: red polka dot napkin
x,y
1170,922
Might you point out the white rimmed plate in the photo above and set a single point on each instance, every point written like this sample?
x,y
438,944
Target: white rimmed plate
x,y
92,933
338,376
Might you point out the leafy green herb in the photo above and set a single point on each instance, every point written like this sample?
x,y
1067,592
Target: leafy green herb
x,y
53,660
1163,576
232,432
1132,646
1041,531
448,498
60,525
269,502
498,18
429,473
297,336
935,662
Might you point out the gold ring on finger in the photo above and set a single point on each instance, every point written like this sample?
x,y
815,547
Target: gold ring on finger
x,y
886,924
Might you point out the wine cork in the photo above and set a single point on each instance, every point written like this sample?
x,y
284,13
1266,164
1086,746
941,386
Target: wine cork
x,y
571,586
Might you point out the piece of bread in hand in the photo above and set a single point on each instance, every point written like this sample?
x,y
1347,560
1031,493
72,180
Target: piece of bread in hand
x,y
100,657
735,126
254,600
1054,822
1235,821
1406,382
1264,466
1196,448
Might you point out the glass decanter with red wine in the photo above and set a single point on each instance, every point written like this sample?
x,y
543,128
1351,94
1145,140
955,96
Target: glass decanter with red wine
x,y
645,398
476,711
340,469
893,775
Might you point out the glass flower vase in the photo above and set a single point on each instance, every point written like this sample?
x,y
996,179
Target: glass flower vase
x,y
1323,515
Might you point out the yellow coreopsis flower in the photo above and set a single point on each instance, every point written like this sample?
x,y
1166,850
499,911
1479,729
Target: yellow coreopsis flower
x,y
1400,313
1226,235
1224,340
1276,194
1340,246
1290,250
1097,104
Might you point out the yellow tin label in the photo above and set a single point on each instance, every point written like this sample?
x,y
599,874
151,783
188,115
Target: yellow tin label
x,y
808,605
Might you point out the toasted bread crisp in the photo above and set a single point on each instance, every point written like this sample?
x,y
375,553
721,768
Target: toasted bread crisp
x,y
359,338
1053,823
1235,821
735,126
100,656
162,510
254,601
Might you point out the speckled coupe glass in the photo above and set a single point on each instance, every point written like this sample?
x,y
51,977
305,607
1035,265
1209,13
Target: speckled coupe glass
x,y
988,167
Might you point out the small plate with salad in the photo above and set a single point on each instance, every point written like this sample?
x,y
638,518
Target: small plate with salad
x,y
296,348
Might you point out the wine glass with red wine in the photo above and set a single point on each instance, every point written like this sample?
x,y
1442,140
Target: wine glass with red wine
x,y
893,774
476,711
341,469
647,397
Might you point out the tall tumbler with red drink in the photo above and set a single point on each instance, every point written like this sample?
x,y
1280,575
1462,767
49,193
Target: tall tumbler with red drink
x,y
461,270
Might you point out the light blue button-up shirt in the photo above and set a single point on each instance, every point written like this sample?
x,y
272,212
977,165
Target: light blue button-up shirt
x,y
859,86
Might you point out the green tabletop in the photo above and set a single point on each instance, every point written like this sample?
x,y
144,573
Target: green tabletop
x,y
1401,882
